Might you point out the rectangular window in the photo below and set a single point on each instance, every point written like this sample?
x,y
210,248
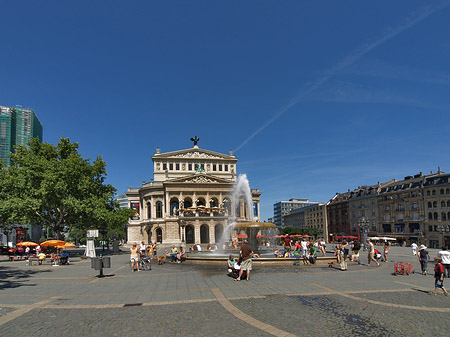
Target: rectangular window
x,y
430,228
220,167
386,208
225,167
214,167
177,166
189,167
414,205
171,167
164,166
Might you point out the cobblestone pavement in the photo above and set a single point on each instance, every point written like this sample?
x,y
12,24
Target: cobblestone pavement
x,y
189,300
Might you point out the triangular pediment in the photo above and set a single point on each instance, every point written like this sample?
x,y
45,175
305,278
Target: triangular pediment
x,y
193,153
200,179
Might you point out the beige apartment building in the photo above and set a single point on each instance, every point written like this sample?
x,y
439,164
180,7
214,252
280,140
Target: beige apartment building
x,y
363,208
190,199
436,198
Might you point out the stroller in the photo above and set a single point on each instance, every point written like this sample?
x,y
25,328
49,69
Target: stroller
x,y
378,256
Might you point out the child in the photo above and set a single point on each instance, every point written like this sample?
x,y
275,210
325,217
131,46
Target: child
x,y
439,276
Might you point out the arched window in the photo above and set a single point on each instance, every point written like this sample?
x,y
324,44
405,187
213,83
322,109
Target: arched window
x,y
159,236
448,203
204,234
159,209
430,205
444,216
227,205
447,191
190,234
213,202
441,191
428,192
442,204
435,216
218,232
448,215
187,203
435,204
200,202
433,192
430,216
174,204
149,210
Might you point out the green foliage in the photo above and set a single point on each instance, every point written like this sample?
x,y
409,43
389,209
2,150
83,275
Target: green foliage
x,y
291,231
55,187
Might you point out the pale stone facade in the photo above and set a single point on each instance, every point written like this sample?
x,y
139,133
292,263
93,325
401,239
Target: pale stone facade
x,y
189,200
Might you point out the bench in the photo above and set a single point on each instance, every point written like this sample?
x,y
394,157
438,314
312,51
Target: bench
x,y
49,260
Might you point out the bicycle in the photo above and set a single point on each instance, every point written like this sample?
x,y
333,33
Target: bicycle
x,y
145,262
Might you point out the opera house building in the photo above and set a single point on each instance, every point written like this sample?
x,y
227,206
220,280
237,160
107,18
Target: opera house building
x,y
189,200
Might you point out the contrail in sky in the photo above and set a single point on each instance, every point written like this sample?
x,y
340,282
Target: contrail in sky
x,y
414,18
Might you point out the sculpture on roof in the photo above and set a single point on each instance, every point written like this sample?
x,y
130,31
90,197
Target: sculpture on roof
x,y
195,140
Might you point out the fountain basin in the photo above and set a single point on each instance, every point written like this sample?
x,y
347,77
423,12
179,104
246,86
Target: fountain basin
x,y
222,261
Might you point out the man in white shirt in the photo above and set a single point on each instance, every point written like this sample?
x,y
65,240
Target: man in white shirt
x,y
444,254
414,248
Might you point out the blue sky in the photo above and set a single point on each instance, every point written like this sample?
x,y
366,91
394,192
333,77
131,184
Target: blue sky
x,y
314,97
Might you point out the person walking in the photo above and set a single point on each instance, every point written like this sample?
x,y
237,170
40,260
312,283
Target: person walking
x,y
423,258
385,251
344,255
444,254
134,257
287,244
414,248
439,276
371,255
356,246
246,255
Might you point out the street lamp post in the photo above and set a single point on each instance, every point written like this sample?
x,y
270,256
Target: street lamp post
x,y
363,225
443,229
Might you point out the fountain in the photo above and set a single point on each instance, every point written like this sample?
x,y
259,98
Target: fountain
x,y
252,228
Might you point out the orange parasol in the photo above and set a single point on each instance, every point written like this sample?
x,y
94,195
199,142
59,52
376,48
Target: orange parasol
x,y
66,245
53,243
27,244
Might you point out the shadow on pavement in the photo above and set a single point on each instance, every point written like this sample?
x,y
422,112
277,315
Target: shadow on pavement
x,y
14,278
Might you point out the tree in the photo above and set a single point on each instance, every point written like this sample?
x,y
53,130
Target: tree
x,y
55,187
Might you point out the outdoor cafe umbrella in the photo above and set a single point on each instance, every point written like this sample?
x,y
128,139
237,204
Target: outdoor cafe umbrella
x,y
52,243
66,245
241,236
27,244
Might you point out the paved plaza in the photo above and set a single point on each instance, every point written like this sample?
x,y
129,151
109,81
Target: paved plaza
x,y
189,300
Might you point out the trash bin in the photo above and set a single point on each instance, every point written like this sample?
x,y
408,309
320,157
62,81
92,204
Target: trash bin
x,y
97,262
106,262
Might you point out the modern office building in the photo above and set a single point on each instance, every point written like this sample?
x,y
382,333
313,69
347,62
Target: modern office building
x,y
17,127
123,200
282,208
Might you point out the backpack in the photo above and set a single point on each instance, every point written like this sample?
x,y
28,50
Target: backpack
x,y
356,246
